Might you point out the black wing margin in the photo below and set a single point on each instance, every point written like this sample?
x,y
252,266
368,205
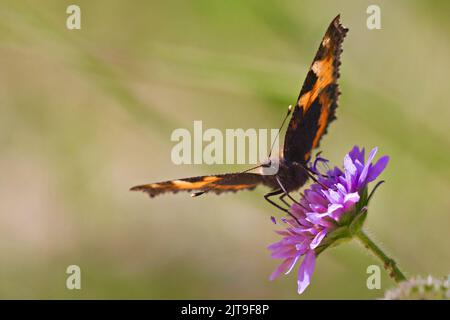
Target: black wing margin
x,y
318,97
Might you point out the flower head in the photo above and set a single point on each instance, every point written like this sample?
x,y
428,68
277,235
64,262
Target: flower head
x,y
421,288
331,209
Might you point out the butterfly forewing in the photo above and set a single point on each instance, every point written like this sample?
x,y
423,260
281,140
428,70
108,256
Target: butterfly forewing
x,y
317,101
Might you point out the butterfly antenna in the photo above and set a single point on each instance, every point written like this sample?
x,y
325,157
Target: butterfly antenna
x,y
281,127
199,193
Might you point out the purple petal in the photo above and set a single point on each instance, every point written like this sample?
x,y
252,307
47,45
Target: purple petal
x,y
314,197
306,271
351,198
292,265
318,239
318,208
333,196
301,230
274,221
297,210
301,247
334,207
280,269
341,188
349,172
348,165
305,223
293,222
284,253
355,154
343,180
377,168
365,171
276,245
336,172
316,218
359,165
282,232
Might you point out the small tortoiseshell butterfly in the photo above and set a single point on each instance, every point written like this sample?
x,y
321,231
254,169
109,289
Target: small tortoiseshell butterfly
x,y
314,110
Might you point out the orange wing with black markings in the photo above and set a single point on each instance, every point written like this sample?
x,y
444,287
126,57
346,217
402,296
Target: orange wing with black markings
x,y
318,97
230,182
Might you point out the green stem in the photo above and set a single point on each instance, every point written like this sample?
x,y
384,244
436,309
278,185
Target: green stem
x,y
389,264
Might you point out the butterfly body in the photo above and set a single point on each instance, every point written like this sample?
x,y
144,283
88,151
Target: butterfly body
x,y
291,175
314,110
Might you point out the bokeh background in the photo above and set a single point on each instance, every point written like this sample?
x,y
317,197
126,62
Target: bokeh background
x,y
85,114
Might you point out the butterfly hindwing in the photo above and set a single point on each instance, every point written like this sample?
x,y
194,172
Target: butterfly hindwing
x,y
214,183
317,101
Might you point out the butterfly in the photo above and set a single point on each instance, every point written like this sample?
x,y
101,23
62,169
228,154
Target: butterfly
x,y
313,112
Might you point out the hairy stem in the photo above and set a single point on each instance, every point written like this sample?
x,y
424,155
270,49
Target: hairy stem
x,y
389,264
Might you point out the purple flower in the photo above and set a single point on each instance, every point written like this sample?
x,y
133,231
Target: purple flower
x,y
325,213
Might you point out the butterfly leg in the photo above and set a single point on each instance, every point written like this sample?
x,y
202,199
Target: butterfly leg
x,y
284,201
276,193
285,191
288,195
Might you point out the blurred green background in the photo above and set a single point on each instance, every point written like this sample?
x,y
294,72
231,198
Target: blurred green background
x,y
85,114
